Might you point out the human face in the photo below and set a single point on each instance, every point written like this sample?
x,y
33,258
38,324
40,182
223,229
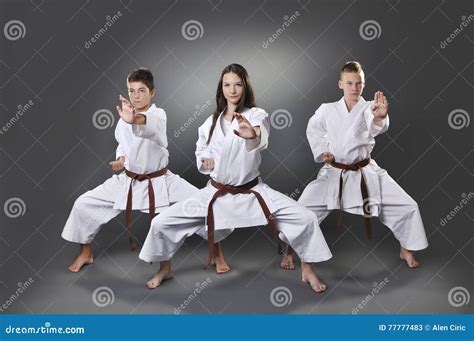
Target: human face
x,y
352,84
140,96
232,88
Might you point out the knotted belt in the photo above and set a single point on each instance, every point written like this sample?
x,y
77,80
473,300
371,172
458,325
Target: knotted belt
x,y
243,189
363,188
151,198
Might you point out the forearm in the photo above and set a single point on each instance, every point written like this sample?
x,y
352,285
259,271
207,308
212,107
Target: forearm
x,y
257,131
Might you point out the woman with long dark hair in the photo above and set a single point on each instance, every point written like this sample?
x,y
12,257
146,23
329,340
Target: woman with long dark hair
x,y
228,150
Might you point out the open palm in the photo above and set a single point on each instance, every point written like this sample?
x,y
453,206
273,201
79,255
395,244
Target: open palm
x,y
380,106
127,111
246,130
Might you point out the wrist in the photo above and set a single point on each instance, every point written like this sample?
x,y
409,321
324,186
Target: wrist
x,y
139,119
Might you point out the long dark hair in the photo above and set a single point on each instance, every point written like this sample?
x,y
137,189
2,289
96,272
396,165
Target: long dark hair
x,y
246,101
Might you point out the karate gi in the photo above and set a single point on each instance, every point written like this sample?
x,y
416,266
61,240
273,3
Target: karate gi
x,y
236,162
349,136
145,150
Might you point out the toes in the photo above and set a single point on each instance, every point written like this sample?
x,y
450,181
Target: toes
x,y
319,287
223,270
152,284
287,265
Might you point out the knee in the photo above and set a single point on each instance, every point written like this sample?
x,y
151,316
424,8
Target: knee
x,y
308,217
413,205
159,223
80,204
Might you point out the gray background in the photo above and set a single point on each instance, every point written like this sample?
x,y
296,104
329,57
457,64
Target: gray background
x,y
54,153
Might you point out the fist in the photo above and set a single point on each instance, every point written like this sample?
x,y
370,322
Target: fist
x,y
328,157
118,165
207,163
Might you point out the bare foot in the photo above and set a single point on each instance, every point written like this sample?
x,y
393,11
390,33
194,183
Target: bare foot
x,y
219,260
408,257
287,261
161,276
309,276
85,258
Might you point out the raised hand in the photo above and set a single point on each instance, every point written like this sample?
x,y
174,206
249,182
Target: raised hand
x,y
207,163
328,157
380,106
246,130
127,111
117,165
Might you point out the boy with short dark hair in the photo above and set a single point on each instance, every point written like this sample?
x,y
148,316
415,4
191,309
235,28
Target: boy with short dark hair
x,y
144,183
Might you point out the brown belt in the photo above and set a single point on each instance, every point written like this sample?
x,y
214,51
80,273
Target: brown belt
x,y
151,198
363,188
243,189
